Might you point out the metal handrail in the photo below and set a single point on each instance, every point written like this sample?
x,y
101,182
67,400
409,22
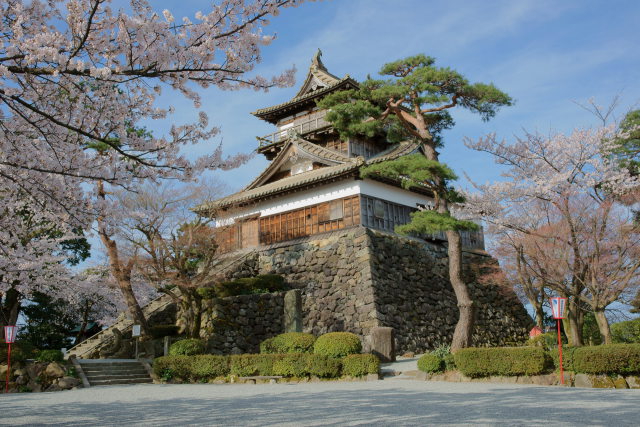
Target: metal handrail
x,y
301,128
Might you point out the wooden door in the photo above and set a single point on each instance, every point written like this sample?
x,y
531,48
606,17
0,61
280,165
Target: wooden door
x,y
250,233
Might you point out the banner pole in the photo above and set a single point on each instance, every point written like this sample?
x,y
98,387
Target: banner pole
x,y
6,388
560,355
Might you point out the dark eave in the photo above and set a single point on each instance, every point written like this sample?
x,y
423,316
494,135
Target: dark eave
x,y
299,103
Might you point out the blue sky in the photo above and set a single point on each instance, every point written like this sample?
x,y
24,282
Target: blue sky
x,y
545,54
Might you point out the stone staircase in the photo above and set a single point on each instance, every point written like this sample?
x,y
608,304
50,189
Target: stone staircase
x,y
115,371
88,348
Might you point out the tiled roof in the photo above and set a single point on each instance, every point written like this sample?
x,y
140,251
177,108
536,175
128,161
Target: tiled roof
x,y
300,181
321,154
319,81
300,99
282,185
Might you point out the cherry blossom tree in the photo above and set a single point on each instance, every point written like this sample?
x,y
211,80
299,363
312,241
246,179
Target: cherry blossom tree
x,y
562,192
77,79
176,250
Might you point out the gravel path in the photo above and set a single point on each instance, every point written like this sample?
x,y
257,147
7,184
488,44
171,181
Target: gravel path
x,y
388,402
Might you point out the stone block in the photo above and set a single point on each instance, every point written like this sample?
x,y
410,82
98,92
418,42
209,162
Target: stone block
x,y
372,377
383,343
54,370
633,381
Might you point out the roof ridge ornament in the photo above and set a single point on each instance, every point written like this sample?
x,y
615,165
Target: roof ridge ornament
x,y
316,61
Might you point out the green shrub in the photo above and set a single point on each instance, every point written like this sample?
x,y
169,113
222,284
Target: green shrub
x,y
442,350
607,359
323,367
626,332
449,362
567,357
168,367
267,347
337,344
291,342
249,285
50,356
248,365
547,340
358,365
208,366
161,331
482,362
20,351
430,363
187,347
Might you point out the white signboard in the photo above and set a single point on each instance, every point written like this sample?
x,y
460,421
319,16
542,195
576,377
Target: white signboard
x,y
136,331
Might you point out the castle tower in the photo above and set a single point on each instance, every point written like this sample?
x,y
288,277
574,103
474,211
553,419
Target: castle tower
x,y
312,184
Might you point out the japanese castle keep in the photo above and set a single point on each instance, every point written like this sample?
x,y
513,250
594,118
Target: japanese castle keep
x,y
310,218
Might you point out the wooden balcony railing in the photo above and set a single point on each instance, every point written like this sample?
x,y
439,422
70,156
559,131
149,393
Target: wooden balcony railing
x,y
301,128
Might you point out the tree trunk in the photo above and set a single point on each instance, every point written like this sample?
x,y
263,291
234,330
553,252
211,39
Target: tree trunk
x,y
575,326
462,336
132,304
603,325
121,272
10,308
191,304
539,316
83,325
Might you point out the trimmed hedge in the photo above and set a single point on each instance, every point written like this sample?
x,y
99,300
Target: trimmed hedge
x,y
482,362
187,347
337,344
567,357
358,365
607,359
260,284
208,367
291,342
168,367
248,365
50,356
305,365
430,363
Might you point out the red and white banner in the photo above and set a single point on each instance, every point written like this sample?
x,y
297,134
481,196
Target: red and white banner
x,y
558,307
10,333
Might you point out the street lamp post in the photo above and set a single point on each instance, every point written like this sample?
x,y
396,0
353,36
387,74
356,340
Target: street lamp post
x,y
558,308
9,338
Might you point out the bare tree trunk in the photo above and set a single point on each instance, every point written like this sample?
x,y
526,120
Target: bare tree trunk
x,y
121,272
539,315
575,327
603,325
463,333
83,325
462,336
191,312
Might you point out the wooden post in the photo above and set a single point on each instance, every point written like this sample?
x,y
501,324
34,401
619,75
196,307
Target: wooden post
x,y
383,344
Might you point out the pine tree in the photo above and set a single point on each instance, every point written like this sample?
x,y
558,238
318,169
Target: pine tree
x,y
413,101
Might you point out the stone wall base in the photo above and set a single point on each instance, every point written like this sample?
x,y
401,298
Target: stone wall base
x,y
571,379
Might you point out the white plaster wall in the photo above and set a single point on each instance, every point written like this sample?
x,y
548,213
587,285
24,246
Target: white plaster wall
x,y
393,194
337,190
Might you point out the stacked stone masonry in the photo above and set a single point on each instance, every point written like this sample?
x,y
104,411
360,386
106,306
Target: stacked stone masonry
x,y
356,279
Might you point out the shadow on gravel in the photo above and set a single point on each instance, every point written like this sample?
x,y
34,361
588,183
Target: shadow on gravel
x,y
391,406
